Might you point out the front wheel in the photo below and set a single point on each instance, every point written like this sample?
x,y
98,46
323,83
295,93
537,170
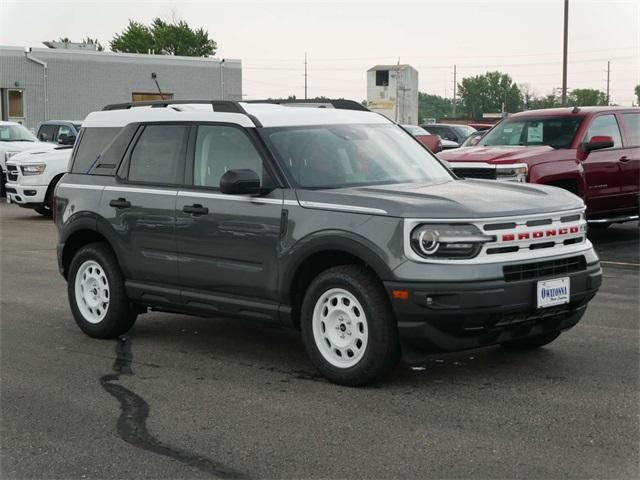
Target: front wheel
x,y
348,327
96,292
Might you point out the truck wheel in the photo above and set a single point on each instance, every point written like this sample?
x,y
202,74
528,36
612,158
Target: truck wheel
x,y
348,327
96,292
43,211
532,342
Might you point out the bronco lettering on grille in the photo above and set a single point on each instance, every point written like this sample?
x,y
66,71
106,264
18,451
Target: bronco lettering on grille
x,y
510,237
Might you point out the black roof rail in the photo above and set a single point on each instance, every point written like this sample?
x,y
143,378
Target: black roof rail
x,y
225,106
340,103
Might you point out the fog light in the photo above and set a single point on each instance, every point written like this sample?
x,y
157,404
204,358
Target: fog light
x,y
30,193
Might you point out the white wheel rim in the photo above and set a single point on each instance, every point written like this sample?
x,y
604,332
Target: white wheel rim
x,y
340,328
92,291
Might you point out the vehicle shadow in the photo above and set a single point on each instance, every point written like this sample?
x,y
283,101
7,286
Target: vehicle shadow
x,y
280,351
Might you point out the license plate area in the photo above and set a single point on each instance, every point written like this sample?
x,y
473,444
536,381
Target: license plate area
x,y
556,291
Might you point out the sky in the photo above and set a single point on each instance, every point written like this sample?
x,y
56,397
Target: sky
x,y
342,39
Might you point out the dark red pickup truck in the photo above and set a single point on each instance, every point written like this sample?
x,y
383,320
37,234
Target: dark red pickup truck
x,y
593,152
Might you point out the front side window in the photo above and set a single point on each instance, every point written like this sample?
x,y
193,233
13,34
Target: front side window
x,y
64,130
556,132
221,148
605,125
15,133
335,156
632,122
156,157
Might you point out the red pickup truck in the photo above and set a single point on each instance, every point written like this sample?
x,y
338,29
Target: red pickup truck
x,y
593,152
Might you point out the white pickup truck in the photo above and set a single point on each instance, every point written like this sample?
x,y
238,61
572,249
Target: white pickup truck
x,y
32,176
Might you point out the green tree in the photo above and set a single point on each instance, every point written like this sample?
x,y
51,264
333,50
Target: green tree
x,y
486,93
433,106
548,101
637,91
586,97
136,38
165,38
93,41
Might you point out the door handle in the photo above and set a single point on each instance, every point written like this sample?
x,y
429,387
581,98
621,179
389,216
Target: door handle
x,y
195,209
120,203
624,159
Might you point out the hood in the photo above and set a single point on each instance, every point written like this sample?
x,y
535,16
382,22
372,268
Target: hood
x,y
452,199
39,155
23,146
500,154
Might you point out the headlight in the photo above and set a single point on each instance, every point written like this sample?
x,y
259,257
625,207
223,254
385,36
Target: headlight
x,y
513,173
33,169
8,155
448,241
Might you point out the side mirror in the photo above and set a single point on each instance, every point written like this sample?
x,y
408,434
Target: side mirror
x,y
240,182
598,142
43,137
66,139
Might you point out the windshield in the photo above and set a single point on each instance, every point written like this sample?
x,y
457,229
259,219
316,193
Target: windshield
x,y
335,156
553,131
415,130
464,130
16,133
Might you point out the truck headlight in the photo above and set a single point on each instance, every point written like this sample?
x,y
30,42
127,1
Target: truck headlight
x,y
512,173
448,241
33,169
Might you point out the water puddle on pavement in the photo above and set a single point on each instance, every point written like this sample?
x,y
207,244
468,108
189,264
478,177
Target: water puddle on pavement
x,y
134,411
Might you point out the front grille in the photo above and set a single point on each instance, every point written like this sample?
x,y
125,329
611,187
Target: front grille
x,y
482,173
549,268
12,173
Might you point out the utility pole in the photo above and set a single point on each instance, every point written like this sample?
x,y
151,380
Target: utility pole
x,y
397,85
455,85
608,73
564,53
305,75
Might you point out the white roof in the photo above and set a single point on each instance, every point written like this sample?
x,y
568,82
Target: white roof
x,y
269,115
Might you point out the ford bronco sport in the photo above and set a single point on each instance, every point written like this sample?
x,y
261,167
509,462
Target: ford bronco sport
x,y
335,221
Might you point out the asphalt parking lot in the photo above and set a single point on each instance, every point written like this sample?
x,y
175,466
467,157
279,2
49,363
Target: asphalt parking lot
x,y
187,397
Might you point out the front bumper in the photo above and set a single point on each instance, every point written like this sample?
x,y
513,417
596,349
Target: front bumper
x,y
453,316
25,195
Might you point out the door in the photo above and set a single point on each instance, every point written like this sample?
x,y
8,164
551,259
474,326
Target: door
x,y
142,206
227,244
630,161
602,167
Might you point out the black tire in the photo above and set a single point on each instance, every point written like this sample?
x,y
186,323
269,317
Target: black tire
x,y
532,342
120,313
382,349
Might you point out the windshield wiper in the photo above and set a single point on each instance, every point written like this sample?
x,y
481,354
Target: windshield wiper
x,y
18,140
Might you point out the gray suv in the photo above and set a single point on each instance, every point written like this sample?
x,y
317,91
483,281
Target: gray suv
x,y
331,220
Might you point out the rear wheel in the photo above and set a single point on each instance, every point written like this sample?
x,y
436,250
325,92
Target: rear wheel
x,y
96,292
43,211
532,342
348,327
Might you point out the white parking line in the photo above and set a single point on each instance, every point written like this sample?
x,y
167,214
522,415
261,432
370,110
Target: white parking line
x,y
620,263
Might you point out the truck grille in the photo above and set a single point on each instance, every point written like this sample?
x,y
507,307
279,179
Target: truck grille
x,y
549,268
12,173
481,173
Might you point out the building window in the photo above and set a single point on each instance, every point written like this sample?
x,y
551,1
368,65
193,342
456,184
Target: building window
x,y
15,103
145,96
382,78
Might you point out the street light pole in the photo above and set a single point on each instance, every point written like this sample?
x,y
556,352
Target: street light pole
x,y
564,53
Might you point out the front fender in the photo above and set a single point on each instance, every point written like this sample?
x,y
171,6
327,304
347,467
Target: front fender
x,y
332,240
559,171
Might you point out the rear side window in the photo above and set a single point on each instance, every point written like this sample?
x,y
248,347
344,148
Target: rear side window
x,y
632,122
157,156
606,125
91,145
